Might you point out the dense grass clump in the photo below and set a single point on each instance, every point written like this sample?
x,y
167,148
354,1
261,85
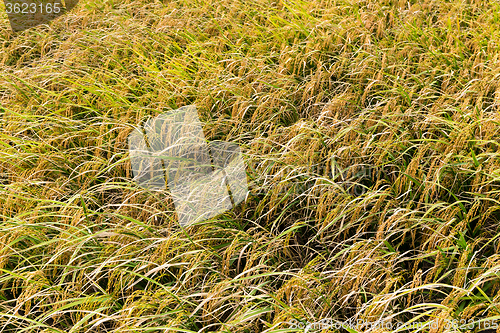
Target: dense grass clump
x,y
370,130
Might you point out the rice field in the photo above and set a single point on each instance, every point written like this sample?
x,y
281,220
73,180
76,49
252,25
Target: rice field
x,y
370,134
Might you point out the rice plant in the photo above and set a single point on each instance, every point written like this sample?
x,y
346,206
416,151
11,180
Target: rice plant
x,y
370,132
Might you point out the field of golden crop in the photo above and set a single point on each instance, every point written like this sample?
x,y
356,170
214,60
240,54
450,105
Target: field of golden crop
x,y
404,96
